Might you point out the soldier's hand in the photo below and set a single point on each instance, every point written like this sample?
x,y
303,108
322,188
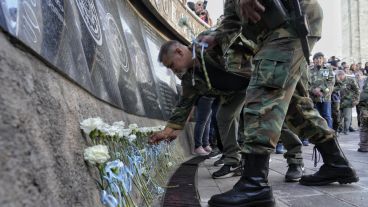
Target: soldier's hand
x,y
167,134
209,39
174,135
317,92
157,137
251,9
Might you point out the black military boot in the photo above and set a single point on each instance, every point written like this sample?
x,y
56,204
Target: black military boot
x,y
252,189
336,167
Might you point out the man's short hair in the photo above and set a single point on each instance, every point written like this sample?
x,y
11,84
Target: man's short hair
x,y
340,72
317,55
165,49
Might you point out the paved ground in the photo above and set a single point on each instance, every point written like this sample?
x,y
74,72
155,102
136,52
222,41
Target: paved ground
x,y
293,194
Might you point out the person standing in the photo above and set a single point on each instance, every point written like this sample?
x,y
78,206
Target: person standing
x,y
335,107
360,80
202,126
349,92
277,95
322,83
363,105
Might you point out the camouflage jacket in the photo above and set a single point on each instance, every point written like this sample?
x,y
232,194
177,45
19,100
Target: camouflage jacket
x,y
324,79
257,33
364,94
349,92
191,92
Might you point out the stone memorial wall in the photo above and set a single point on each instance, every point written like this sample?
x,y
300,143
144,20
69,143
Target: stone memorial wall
x,y
62,62
106,47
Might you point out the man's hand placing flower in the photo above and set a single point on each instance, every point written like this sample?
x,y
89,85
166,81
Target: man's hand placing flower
x,y
168,134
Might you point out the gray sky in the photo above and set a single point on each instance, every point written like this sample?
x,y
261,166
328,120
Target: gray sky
x,y
331,42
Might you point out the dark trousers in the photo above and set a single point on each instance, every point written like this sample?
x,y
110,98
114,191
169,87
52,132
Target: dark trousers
x,y
203,121
324,108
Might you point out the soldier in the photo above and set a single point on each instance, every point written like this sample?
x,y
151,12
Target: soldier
x,y
211,80
278,93
363,105
230,86
322,83
335,108
349,92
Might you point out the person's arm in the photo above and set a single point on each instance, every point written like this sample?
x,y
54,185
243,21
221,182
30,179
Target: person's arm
x,y
229,25
179,116
355,92
184,107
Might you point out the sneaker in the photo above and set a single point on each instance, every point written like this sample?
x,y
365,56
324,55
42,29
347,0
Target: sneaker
x,y
208,149
200,151
279,148
351,129
294,173
227,171
219,162
216,153
305,142
361,150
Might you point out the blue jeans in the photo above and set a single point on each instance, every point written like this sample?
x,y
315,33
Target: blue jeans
x,y
215,139
203,121
324,108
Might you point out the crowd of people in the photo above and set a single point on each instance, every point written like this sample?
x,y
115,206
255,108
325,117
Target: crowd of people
x,y
335,88
266,93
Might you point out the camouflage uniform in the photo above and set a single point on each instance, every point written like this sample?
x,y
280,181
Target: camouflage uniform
x,y
230,107
324,79
349,91
276,81
278,92
363,104
335,107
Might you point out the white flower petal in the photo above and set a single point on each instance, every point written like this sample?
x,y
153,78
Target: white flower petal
x,y
97,154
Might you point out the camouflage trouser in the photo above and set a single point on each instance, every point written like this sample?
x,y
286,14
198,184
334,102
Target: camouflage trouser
x,y
336,116
228,125
231,129
293,146
278,94
363,144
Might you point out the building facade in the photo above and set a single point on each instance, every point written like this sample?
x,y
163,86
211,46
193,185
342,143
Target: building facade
x,y
354,30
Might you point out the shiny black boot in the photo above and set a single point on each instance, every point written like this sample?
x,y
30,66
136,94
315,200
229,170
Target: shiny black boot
x,y
336,167
252,189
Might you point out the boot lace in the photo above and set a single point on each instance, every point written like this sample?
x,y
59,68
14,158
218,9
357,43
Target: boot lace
x,y
316,156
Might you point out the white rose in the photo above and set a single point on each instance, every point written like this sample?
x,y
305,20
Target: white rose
x,y
119,124
132,137
113,130
105,128
144,129
133,126
90,124
96,154
124,132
